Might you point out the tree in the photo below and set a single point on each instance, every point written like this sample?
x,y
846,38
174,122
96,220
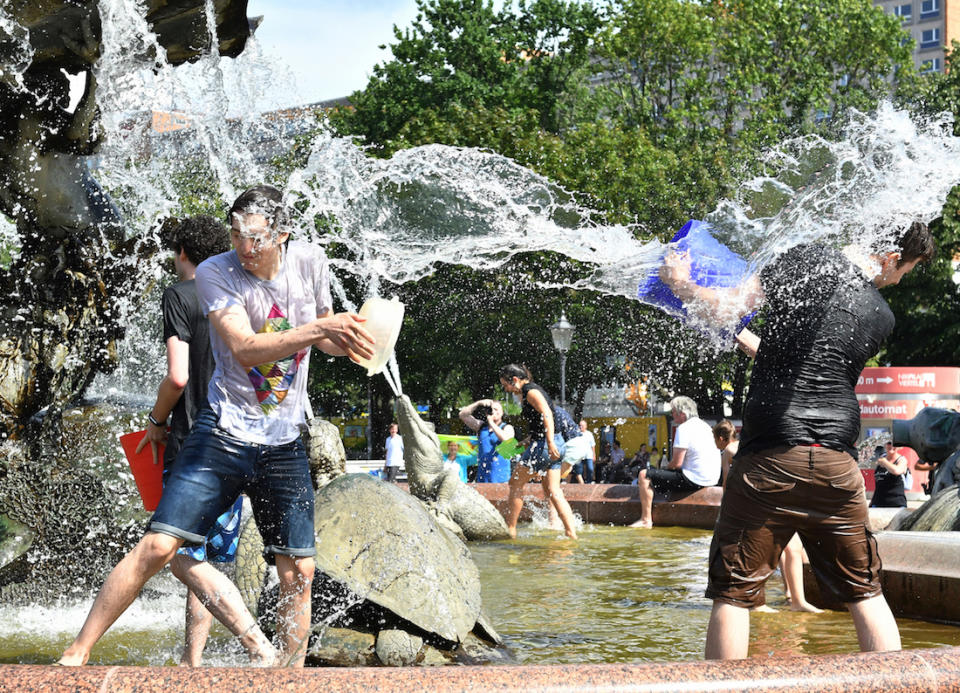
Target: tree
x,y
466,53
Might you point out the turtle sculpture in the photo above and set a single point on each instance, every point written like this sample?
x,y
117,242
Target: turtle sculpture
x,y
460,507
393,586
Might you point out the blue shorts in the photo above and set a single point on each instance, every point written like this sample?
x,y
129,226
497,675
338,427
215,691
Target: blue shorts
x,y
537,456
214,467
220,544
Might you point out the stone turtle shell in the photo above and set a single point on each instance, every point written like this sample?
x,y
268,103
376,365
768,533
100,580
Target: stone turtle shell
x,y
384,546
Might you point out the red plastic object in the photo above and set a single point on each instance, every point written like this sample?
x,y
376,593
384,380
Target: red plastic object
x,y
149,476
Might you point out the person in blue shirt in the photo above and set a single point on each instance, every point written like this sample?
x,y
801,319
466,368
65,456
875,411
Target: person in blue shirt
x,y
485,416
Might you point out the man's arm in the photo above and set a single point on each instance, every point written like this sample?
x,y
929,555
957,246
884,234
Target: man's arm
x,y
344,335
337,334
748,342
713,305
676,461
169,392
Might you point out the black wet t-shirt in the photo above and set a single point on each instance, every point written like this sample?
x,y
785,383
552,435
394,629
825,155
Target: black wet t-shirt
x,y
183,318
824,319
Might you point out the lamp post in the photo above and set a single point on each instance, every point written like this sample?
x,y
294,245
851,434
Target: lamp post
x,y
562,333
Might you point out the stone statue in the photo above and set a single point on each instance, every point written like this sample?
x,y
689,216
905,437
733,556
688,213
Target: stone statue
x,y
61,283
456,504
935,436
57,298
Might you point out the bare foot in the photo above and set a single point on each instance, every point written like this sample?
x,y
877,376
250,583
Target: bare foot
x,y
571,535
805,606
266,658
512,531
71,660
643,524
764,609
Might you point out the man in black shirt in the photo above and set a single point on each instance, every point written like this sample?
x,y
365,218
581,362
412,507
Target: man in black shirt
x,y
796,468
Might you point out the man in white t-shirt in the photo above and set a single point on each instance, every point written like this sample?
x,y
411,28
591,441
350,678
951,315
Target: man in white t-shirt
x,y
394,460
583,470
268,302
695,462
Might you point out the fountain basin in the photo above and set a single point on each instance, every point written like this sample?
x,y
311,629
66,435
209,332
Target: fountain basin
x,y
913,670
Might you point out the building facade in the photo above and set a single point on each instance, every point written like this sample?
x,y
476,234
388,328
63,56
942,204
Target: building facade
x,y
933,24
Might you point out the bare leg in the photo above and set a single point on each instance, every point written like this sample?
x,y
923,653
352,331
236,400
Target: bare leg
x,y
645,492
217,593
876,628
791,567
521,475
553,492
119,590
197,623
293,610
728,634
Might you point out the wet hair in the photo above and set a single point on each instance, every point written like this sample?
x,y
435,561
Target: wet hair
x,y
265,200
724,430
513,370
199,237
684,405
915,243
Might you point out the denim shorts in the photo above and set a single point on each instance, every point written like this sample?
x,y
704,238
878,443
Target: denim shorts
x,y
214,467
537,457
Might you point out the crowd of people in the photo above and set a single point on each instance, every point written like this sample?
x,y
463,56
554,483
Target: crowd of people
x,y
239,328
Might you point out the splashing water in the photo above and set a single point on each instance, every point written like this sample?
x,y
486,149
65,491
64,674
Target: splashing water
x,y
401,217
15,40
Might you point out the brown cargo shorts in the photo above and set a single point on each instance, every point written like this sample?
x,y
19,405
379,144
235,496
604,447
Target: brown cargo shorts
x,y
813,491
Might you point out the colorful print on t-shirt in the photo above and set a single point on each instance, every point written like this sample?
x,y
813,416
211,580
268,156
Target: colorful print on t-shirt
x,y
272,380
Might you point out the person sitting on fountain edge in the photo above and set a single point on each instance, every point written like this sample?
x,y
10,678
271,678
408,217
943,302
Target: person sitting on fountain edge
x,y
694,464
181,396
268,302
796,468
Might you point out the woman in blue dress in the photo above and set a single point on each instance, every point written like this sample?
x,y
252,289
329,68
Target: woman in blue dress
x,y
485,416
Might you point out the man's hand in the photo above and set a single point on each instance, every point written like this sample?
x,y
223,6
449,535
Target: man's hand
x,y
345,332
675,270
155,435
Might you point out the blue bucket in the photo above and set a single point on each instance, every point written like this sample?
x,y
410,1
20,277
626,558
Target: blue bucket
x,y
712,265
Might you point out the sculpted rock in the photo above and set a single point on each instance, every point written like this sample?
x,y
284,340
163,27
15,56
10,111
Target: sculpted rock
x,y
383,564
325,451
59,297
442,489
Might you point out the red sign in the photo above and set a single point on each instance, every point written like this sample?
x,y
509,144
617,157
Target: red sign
x,y
880,408
909,380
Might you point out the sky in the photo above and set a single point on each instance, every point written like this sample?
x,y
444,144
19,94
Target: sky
x,y
329,46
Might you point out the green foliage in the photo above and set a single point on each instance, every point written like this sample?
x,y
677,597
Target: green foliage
x,y
927,301
466,53
743,73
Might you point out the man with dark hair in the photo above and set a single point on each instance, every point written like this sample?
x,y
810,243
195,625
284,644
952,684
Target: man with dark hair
x,y
181,395
796,467
268,302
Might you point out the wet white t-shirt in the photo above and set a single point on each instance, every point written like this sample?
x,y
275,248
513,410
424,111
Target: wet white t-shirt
x,y
701,463
264,404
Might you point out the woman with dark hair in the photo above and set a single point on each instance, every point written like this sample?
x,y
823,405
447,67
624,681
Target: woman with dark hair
x,y
544,453
485,417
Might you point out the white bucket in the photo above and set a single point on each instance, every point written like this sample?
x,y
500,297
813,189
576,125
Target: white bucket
x,y
384,319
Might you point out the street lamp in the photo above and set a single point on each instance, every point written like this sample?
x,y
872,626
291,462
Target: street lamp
x,y
562,333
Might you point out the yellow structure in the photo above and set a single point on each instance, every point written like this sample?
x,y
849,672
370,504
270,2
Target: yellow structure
x,y
632,432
